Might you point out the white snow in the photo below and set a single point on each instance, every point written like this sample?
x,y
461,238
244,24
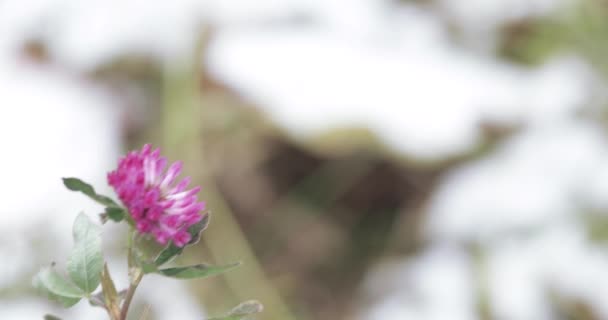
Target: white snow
x,y
364,63
534,179
438,284
418,93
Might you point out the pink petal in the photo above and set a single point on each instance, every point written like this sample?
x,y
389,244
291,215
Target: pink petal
x,y
173,171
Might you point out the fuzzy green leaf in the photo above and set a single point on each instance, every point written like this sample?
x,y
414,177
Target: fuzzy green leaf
x,y
65,301
57,287
196,271
51,317
86,260
76,184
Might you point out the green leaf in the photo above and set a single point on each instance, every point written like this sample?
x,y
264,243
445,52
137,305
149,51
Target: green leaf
x,y
86,260
167,254
57,287
66,302
196,271
115,214
76,184
51,317
171,251
243,310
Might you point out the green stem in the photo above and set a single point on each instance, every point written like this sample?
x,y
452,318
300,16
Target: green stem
x,y
135,276
130,293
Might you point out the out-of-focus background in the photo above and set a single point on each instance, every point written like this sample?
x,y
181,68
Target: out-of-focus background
x,y
365,159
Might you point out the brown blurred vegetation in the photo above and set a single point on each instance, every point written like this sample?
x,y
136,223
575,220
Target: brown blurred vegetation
x,y
317,215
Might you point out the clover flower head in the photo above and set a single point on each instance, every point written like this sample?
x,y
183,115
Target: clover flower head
x,y
158,206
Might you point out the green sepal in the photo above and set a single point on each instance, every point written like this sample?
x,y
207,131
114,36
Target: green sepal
x,y
115,214
171,251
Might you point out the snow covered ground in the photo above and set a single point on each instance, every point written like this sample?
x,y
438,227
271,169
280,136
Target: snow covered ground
x,y
366,63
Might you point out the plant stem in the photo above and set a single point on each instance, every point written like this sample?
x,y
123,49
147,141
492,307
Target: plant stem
x,y
130,293
135,276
